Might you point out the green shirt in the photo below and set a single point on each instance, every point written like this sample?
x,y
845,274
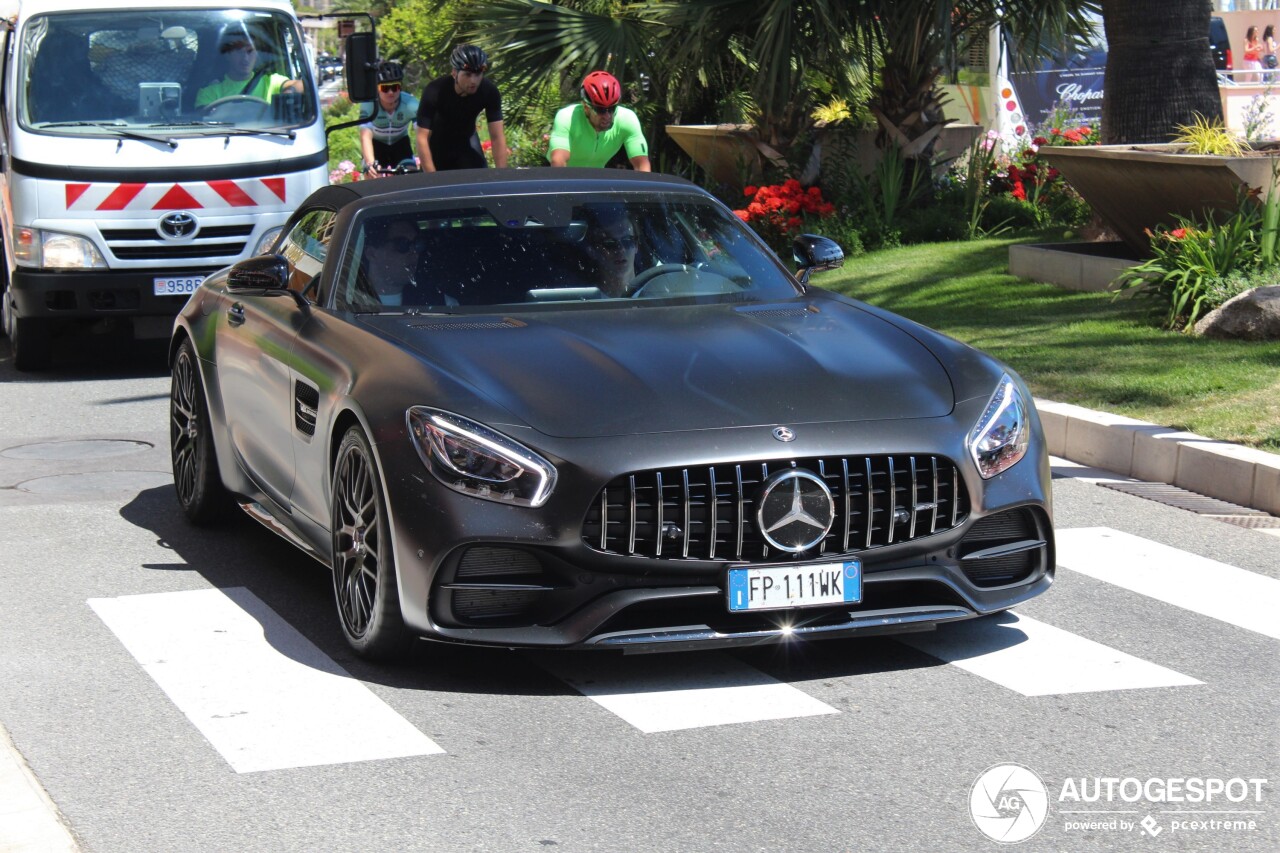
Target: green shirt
x,y
267,87
572,132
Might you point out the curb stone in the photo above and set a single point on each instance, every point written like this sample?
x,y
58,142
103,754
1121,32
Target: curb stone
x,y
30,820
1145,451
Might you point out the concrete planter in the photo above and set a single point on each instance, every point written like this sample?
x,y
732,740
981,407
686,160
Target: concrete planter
x,y
731,155
1136,188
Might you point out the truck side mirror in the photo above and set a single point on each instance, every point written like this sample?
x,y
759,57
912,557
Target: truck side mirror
x,y
361,67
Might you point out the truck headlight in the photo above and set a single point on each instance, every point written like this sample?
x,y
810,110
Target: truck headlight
x,y
1000,437
268,240
470,458
34,247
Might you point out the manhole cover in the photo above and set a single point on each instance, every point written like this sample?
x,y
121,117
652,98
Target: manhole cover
x,y
91,449
96,484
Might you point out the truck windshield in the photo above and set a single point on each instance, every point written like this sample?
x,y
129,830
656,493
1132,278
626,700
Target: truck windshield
x,y
165,72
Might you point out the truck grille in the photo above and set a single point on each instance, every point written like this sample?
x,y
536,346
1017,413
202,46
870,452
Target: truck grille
x,y
708,512
215,242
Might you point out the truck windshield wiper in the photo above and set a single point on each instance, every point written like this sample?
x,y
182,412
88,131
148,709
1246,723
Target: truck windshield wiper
x,y
118,129
218,128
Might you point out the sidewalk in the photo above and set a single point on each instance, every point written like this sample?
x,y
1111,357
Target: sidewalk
x,y
29,821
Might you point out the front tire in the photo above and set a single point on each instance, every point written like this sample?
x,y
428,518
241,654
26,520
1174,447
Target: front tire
x,y
364,573
30,339
195,466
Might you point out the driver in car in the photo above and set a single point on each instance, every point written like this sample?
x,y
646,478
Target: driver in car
x,y
610,242
240,59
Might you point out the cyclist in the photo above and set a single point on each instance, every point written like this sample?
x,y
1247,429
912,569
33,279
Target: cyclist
x,y
591,132
448,110
384,137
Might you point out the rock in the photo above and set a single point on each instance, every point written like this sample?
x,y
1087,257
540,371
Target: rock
x,y
1252,316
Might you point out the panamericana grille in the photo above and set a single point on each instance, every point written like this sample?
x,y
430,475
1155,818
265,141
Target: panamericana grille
x,y
708,512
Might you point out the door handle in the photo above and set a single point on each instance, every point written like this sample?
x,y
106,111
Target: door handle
x,y
235,314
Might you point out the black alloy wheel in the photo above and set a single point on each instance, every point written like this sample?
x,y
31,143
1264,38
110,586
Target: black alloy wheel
x,y
364,576
195,467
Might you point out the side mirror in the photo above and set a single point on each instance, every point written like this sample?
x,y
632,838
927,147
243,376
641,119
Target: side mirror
x,y
265,274
814,254
361,66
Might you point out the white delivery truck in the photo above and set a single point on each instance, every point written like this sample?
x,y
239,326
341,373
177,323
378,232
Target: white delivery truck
x,y
144,144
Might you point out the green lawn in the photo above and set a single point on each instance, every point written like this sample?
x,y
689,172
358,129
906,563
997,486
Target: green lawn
x,y
1082,348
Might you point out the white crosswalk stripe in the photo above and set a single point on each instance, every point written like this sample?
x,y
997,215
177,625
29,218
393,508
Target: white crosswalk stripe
x,y
262,694
1208,587
1037,659
659,694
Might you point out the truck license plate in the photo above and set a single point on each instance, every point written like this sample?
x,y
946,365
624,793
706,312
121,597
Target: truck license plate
x,y
177,285
775,587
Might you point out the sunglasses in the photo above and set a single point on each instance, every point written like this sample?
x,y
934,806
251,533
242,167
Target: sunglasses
x,y
614,244
388,87
604,111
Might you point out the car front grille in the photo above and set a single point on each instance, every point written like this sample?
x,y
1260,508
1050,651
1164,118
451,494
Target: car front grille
x,y
709,512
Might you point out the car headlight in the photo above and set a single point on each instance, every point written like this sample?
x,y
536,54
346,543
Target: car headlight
x,y
33,247
469,457
1000,437
268,240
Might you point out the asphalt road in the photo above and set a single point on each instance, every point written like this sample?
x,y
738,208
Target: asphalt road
x,y
1152,662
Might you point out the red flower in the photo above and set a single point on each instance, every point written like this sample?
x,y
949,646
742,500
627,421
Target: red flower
x,y
750,191
1178,233
742,214
1039,140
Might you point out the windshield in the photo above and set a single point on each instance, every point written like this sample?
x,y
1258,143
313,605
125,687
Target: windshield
x,y
163,73
555,250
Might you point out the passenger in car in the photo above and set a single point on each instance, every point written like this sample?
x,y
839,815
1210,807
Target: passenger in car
x,y
391,259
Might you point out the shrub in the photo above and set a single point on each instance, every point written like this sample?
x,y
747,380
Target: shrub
x,y
780,211
1189,264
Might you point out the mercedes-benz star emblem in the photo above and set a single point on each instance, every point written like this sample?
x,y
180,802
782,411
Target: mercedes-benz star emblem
x,y
795,510
178,225
784,433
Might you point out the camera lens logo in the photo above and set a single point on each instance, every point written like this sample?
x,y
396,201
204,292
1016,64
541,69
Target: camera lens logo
x,y
1009,803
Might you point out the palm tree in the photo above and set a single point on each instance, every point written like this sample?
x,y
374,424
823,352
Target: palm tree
x,y
1159,70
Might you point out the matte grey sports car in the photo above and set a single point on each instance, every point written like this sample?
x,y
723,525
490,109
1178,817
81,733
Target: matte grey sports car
x,y
589,408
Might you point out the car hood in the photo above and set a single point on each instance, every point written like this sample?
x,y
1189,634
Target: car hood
x,y
591,372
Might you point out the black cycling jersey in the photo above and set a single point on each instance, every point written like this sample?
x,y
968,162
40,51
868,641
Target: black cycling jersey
x,y
451,119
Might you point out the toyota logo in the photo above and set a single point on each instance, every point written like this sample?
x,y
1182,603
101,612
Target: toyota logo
x,y
795,510
178,225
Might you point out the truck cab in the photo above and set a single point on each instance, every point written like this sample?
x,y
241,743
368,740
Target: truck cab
x,y
142,147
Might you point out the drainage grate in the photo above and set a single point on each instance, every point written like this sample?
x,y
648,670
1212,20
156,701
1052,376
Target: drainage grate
x,y
1241,516
1262,522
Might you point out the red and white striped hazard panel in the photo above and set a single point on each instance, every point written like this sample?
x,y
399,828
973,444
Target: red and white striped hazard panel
x,y
204,195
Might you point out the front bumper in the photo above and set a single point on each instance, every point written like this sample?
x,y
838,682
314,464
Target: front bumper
x,y
94,294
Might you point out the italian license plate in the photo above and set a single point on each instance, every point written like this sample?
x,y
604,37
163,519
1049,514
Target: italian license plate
x,y
775,587
177,285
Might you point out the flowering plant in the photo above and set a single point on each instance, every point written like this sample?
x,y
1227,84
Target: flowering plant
x,y
345,173
1029,178
778,212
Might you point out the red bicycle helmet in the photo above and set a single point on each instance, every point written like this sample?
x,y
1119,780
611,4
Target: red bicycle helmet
x,y
601,89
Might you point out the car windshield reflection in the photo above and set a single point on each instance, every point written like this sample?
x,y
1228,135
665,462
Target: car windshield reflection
x,y
528,252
